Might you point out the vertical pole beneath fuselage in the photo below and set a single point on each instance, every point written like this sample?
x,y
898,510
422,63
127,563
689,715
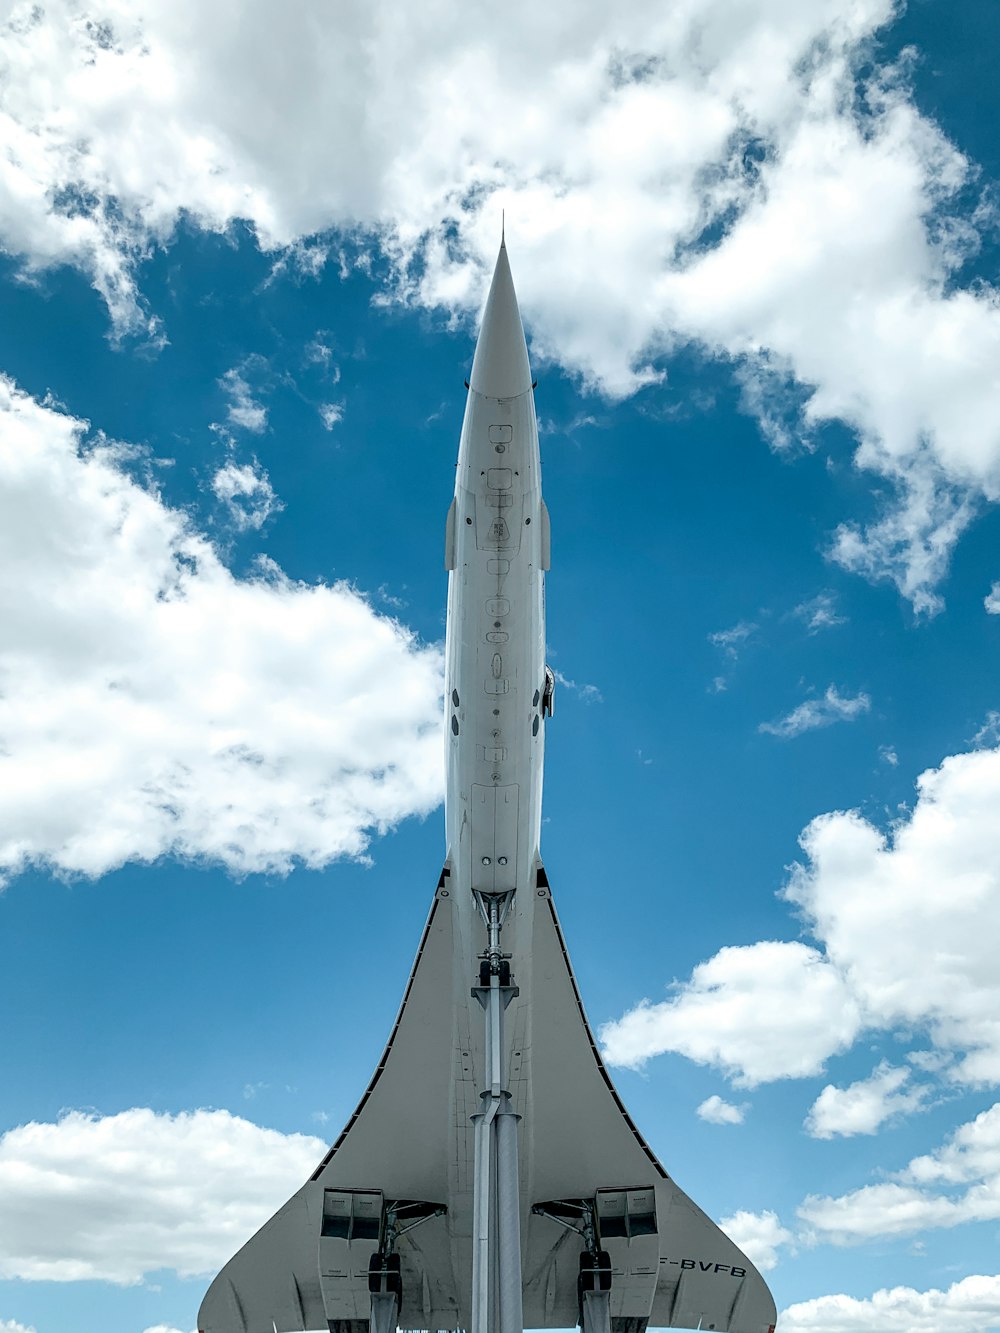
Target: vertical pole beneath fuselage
x,y
483,1240
508,1220
496,1242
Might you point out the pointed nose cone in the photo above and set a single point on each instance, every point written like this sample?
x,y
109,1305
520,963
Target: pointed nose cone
x,y
500,367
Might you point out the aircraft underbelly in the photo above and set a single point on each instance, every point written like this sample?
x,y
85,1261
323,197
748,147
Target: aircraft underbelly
x,y
411,1139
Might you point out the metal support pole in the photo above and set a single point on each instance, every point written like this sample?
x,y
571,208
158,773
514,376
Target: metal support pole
x,y
497,1305
484,1238
509,1220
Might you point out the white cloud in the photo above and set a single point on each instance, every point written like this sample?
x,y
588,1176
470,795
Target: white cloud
x,y
731,641
959,1182
762,205
153,704
969,1306
888,755
759,1012
162,1328
246,492
320,353
12,1326
719,1112
933,888
589,694
863,1106
759,1236
816,713
243,410
115,1197
912,543
992,600
330,414
989,732
931,885
819,612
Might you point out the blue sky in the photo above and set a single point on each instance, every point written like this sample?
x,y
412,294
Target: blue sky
x,y
243,255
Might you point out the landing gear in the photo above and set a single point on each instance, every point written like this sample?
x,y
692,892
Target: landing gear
x,y
594,1283
385,1286
385,1280
594,1288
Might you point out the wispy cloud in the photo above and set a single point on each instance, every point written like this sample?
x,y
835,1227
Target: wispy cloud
x,y
815,713
819,612
301,259
330,414
989,732
318,352
732,641
992,600
247,494
589,694
243,410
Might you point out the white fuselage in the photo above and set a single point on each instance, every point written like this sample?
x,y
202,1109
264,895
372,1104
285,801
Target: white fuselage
x,y
495,669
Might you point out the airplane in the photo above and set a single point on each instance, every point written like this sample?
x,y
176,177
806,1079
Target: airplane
x,y
491,1178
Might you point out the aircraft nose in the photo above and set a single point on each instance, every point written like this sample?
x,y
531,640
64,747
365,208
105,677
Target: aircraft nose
x,y
500,367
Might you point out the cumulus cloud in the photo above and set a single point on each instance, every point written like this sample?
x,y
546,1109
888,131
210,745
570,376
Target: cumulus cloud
x,y
12,1326
992,600
112,1198
931,885
959,1182
719,1112
247,494
759,1236
969,1306
153,704
816,713
864,1106
759,1012
767,204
